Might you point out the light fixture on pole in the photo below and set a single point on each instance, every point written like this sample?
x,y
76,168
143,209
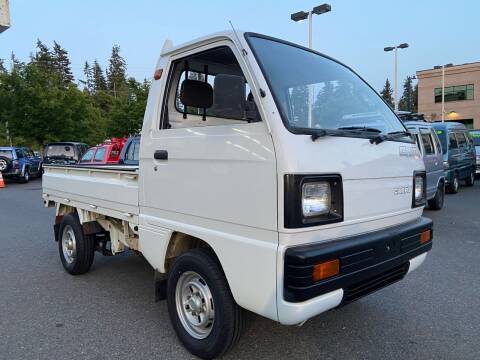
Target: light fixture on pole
x,y
298,17
395,83
302,15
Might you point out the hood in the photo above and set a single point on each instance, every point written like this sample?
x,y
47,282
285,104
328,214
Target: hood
x,y
377,179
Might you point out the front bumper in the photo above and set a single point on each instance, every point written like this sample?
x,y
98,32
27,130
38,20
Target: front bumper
x,y
368,263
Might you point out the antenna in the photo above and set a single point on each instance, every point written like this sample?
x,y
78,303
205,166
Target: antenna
x,y
243,51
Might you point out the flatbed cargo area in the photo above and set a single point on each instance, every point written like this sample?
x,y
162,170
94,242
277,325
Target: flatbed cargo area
x,y
108,190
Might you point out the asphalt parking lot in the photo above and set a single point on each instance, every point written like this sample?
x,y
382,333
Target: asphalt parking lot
x,y
110,312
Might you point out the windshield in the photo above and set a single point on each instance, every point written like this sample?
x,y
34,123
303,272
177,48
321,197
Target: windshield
x,y
60,151
475,137
315,92
6,153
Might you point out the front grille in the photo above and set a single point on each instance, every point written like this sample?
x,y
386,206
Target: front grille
x,y
365,287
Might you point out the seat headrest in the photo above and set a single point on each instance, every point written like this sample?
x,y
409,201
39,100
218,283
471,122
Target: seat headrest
x,y
196,93
229,96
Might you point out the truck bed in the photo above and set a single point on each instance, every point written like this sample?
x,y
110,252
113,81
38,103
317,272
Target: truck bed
x,y
110,190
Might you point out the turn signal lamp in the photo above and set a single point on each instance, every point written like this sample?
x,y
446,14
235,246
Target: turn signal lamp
x,y
326,269
425,236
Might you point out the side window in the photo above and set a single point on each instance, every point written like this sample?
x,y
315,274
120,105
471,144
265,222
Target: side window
x,y
136,151
461,140
130,151
452,141
208,88
427,144
87,156
417,140
436,140
100,154
20,154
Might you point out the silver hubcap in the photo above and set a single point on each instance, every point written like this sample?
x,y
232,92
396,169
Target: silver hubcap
x,y
69,245
194,303
455,183
3,164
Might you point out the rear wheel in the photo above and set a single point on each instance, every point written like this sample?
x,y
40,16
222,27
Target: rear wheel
x,y
76,249
437,202
453,187
25,178
470,180
201,307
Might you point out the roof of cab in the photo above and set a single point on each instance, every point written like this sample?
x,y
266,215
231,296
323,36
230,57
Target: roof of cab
x,y
448,125
168,47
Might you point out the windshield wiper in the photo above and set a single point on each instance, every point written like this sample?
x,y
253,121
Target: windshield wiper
x,y
360,128
313,132
390,136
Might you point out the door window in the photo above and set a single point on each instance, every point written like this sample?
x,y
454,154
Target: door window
x,y
427,144
208,88
461,140
100,154
452,141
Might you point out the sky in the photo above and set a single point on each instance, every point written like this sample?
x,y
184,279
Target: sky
x,y
354,32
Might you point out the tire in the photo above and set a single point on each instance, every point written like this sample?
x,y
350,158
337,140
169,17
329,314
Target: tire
x,y
77,257
454,185
437,202
470,180
198,271
5,164
25,178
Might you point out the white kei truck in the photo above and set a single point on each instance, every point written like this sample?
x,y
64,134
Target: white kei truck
x,y
271,178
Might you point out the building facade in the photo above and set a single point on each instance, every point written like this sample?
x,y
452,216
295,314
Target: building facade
x,y
4,15
462,94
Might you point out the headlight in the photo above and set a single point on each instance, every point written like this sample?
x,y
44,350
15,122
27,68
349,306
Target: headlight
x,y
316,198
446,165
312,200
419,189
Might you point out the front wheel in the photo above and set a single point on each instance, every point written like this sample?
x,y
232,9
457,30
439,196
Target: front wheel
x,y
201,307
470,180
76,249
437,202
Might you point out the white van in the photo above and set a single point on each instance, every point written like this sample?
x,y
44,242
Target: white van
x,y
271,178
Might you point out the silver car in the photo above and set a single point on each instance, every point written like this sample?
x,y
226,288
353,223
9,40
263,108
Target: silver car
x,y
431,150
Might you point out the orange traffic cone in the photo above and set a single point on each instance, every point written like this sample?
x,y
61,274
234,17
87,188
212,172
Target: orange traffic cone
x,y
2,183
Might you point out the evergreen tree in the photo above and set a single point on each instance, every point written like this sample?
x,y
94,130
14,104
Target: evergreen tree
x,y
61,63
116,74
415,98
43,57
88,82
406,101
3,69
99,82
386,94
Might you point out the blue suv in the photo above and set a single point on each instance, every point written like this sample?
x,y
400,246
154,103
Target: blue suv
x,y
19,163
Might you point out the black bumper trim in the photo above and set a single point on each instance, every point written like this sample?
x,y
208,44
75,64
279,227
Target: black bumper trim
x,y
370,261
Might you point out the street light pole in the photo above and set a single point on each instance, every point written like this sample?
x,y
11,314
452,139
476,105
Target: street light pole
x,y
395,90
310,30
395,76
443,93
300,16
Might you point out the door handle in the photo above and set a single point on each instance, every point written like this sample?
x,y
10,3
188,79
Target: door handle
x,y
160,155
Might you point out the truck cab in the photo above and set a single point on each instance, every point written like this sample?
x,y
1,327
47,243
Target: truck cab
x,y
271,178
